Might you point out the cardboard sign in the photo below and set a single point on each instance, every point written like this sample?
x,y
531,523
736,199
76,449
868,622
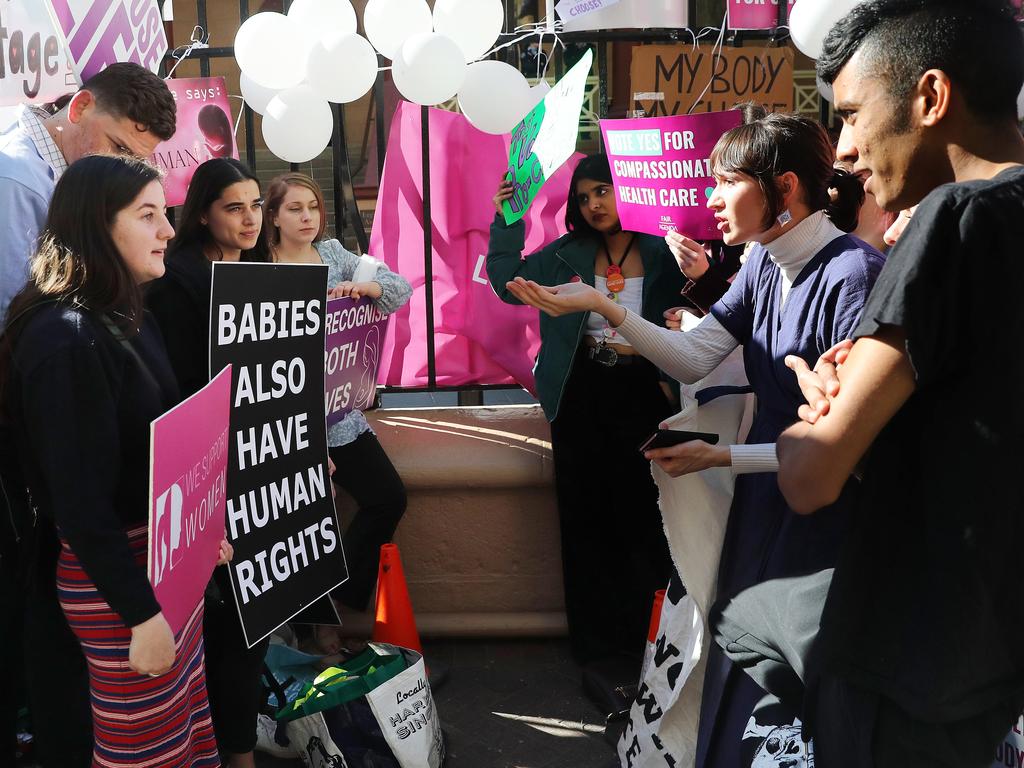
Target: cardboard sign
x,y
756,14
669,79
204,131
662,173
546,138
99,33
267,322
188,448
34,67
355,338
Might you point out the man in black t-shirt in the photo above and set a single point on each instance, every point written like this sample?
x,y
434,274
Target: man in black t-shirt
x,y
919,660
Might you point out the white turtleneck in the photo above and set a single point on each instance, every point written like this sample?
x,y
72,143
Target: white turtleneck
x,y
690,356
791,250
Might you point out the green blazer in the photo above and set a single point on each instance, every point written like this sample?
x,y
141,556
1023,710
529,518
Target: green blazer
x,y
558,263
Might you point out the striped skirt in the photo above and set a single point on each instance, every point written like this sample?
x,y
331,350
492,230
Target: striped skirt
x,y
138,720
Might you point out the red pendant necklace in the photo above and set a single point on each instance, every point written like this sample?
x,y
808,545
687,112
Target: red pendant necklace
x,y
614,280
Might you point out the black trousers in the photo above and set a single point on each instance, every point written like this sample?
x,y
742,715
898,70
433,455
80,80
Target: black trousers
x,y
770,630
55,670
233,671
614,551
364,470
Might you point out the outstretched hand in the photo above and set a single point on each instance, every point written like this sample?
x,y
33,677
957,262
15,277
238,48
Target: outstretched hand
x,y
820,385
692,456
556,300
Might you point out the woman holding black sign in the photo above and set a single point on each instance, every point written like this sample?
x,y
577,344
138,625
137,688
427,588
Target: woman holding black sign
x,y
221,220
83,372
296,218
602,400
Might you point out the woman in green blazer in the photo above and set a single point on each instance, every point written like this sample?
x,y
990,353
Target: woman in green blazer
x,y
602,400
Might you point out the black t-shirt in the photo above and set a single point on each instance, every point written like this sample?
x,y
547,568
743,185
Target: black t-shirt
x,y
81,406
927,602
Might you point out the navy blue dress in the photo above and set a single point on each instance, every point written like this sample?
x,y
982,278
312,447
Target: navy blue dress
x,y
764,539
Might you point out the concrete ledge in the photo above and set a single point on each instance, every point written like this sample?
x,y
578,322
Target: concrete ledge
x,y
480,539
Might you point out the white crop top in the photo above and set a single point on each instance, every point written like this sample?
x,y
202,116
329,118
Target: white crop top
x,y
631,297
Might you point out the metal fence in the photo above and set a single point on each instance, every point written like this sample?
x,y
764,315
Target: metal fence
x,y
345,209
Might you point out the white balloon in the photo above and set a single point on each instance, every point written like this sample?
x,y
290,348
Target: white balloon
x,y
298,124
1020,105
255,95
341,67
271,50
318,18
473,24
429,68
389,23
538,92
811,20
494,97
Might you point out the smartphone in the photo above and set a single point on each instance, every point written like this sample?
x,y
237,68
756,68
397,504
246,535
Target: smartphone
x,y
665,438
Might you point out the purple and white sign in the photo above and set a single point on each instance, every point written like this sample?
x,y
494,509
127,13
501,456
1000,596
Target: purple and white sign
x,y
102,32
355,336
756,14
661,169
34,68
574,9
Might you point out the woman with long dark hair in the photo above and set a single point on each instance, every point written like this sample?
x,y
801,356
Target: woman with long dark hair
x,y
221,220
84,372
602,400
800,292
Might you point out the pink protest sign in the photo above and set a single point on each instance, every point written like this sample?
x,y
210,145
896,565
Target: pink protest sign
x,y
102,32
756,14
187,491
204,131
662,171
355,338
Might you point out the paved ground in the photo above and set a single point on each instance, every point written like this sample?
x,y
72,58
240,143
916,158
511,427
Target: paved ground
x,y
512,704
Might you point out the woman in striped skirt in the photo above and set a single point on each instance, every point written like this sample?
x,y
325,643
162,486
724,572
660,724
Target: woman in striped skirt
x,y
82,374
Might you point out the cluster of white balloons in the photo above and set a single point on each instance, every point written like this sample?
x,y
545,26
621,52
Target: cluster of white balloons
x,y
293,65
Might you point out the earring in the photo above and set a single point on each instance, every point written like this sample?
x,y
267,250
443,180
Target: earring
x,y
784,218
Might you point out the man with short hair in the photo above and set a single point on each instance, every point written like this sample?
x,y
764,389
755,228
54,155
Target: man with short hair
x,y
919,660
124,109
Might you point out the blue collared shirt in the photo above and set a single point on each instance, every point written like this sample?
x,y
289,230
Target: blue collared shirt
x,y
27,179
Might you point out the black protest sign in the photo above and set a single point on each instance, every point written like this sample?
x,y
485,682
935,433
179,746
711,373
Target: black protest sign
x,y
267,322
678,79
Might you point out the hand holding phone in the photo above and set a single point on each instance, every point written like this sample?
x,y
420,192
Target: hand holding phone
x,y
665,438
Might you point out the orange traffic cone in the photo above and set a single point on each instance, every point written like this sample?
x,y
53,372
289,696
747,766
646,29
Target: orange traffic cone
x,y
394,623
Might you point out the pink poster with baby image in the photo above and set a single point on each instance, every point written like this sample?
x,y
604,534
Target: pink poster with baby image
x,y
187,497
661,170
205,130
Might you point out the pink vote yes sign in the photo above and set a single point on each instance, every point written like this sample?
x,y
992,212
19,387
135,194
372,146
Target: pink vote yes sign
x,y
661,169
187,493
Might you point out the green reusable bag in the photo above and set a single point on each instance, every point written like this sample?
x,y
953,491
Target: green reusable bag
x,y
360,675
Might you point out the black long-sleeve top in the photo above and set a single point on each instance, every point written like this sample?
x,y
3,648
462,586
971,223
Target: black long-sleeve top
x,y
82,405
180,302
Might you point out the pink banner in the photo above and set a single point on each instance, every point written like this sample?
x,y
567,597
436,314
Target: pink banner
x,y
756,14
102,32
188,469
662,171
204,131
478,338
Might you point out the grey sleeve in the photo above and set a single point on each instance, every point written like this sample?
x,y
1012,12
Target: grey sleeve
x,y
396,290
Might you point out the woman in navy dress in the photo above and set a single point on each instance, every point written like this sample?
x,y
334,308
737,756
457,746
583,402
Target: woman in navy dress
x,y
800,292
